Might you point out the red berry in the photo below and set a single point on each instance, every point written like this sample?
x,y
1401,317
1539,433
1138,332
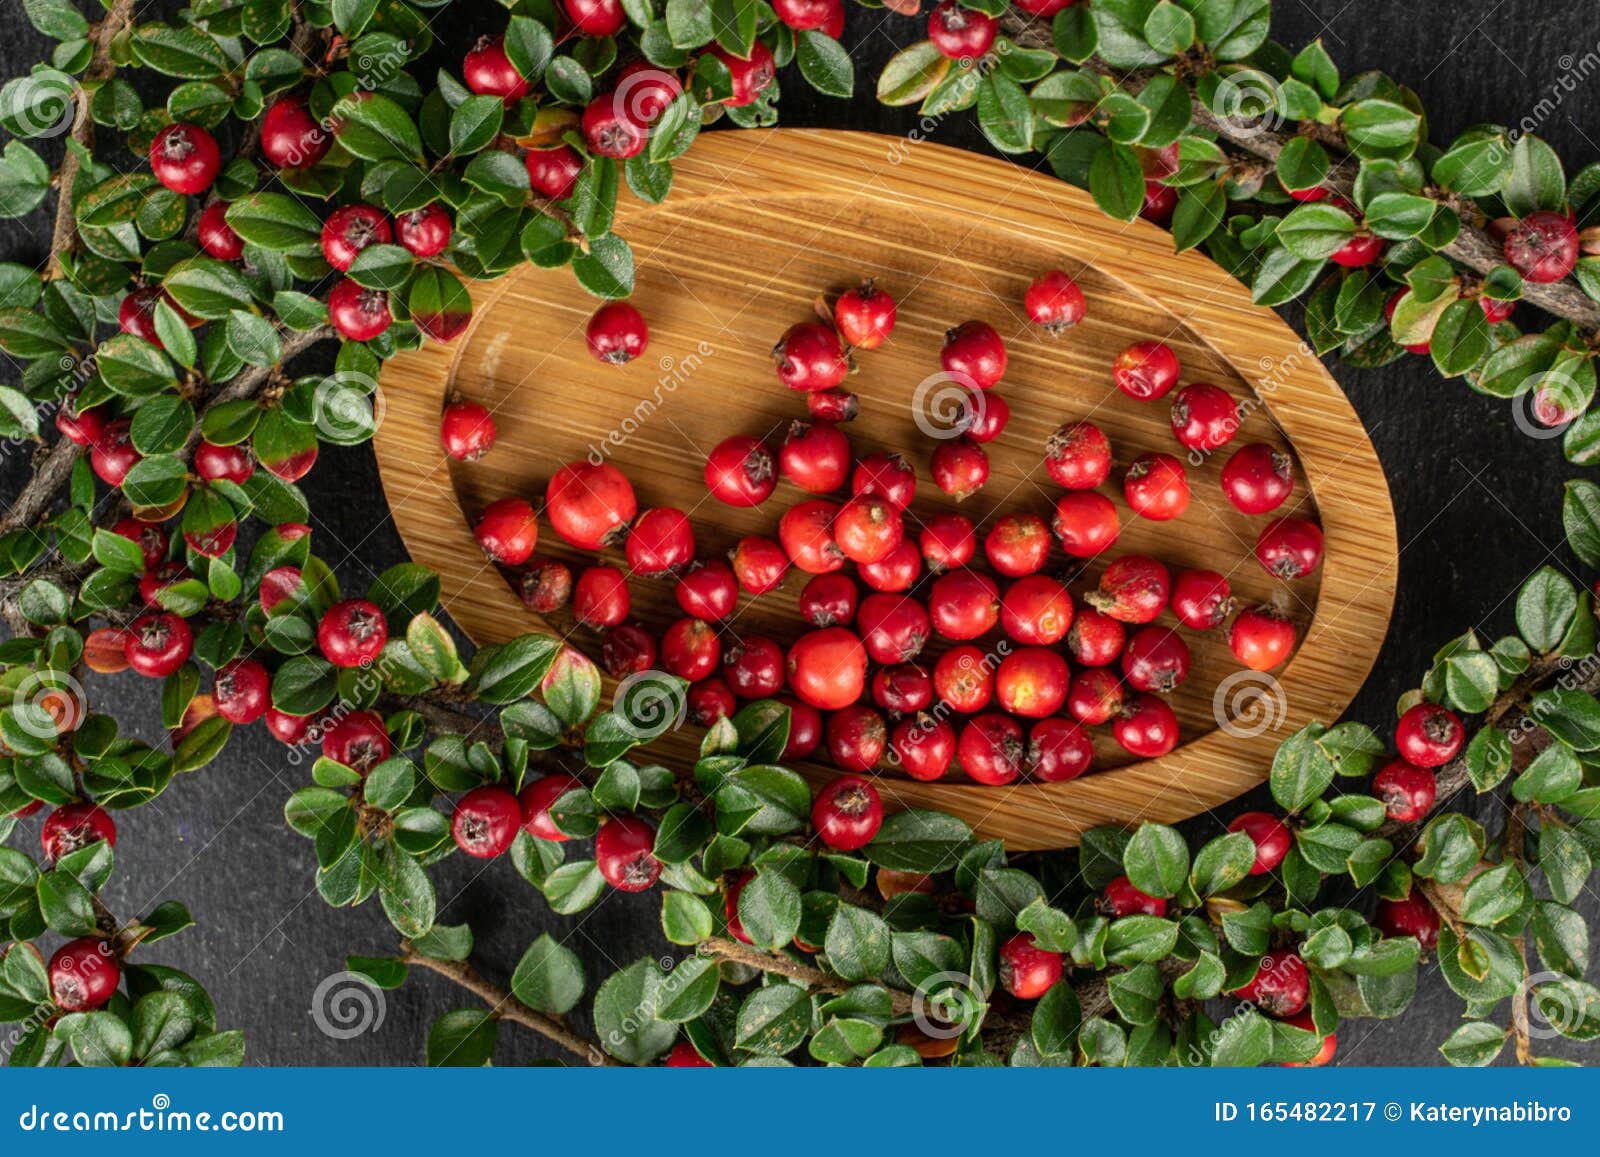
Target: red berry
x,y
961,33
150,537
1257,478
1133,589
740,471
806,532
1123,899
984,416
963,604
947,541
112,454
828,668
646,90
1290,548
903,688
1027,971
1281,986
847,813
1036,610
809,357
889,476
1058,750
1032,682
73,826
754,668
833,405
485,821
1146,370
623,851
1495,311
596,17
84,427
291,138
893,628
1147,727
963,678
488,71
1054,301
829,600
158,644
865,315
617,333
991,749
352,633
661,542
1261,638
466,431
84,974
707,590
1200,598
751,77
158,578
973,352
590,506
924,747
1018,545
216,236
600,598
684,1056
1407,791
626,650
424,232
184,158
610,129
867,529
359,740
1361,250
857,738
1096,696
359,314
959,467
805,728
1270,836
1156,487
1044,8
536,800
1428,735
231,463
710,700
508,530
1330,1043
1204,417
1412,916
1155,659
691,649
1159,202
242,691
350,229
1078,456
804,15
553,172
759,564
1085,523
545,586
815,457
1095,639
1543,246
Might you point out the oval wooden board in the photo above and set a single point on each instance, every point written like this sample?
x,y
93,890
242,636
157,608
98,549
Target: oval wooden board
x,y
759,223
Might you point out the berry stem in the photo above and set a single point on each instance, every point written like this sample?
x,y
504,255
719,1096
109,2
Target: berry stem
x,y
731,950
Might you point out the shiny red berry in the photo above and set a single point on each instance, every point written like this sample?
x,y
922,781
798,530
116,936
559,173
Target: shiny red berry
x,y
806,531
1428,735
974,354
1027,971
1036,610
865,315
961,33
359,314
1270,835
352,633
351,228
827,669
1054,301
889,476
815,456
867,529
1147,727
73,826
1133,589
486,821
707,590
829,600
661,542
488,71
600,598
424,232
959,467
1290,548
158,644
1204,417
1058,750
1095,696
902,688
537,798
508,530
466,431
552,173
691,649
740,471
1261,638
1085,523
1257,478
216,236
847,813
1032,682
1017,545
1412,916
590,506
1156,659
924,747
1543,246
809,357
857,738
291,138
963,678
1123,899
184,158
242,691
624,853
991,749
1156,487
893,628
1146,370
1281,986
759,564
963,604
1407,791
754,667
84,974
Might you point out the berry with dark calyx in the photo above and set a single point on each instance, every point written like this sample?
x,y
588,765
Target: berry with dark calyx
x,y
1428,735
1159,202
974,353
486,821
847,814
830,600
600,597
351,228
1324,1054
552,173
623,851
1261,638
1133,589
242,691
1257,478
1121,898
751,76
1156,487
488,71
73,826
867,529
924,747
184,158
1147,727
466,431
661,542
231,463
827,669
805,728
740,471
158,578
991,749
647,90
359,740
424,232
833,405
707,590
889,476
1018,545
1156,659
1407,791
1270,835
1204,417
959,467
1085,523
894,629
150,537
815,456
1290,548
759,564
754,667
1036,610
1058,750
291,138
947,541
903,688
546,585
1412,916
357,313
1078,456
610,129
590,506
1543,246
595,17
507,531
1281,986
112,455
84,974
352,633
626,650
963,678
536,800
963,604
895,572
83,427
691,649
1054,301
1095,696
1027,971
1146,370
809,357
216,236
984,416
865,315
158,644
1032,682
806,531
1201,599
710,700
961,33
1095,639
857,738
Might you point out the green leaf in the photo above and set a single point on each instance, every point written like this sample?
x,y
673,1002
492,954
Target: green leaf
x,y
911,74
769,910
375,128
917,840
824,63
1474,1044
1157,860
1301,770
549,977
464,1038
622,1015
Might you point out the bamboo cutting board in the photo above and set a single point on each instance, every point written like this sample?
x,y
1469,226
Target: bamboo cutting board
x,y
757,225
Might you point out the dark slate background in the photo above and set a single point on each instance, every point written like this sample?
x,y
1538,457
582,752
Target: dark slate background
x,y
1477,503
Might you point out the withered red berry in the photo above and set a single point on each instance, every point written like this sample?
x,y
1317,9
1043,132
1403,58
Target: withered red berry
x,y
829,600
627,649
1095,639
1095,696
847,813
84,974
1133,589
1543,246
545,586
833,405
486,821
73,826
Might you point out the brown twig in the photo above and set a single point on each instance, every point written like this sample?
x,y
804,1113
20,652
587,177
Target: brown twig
x,y
720,948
